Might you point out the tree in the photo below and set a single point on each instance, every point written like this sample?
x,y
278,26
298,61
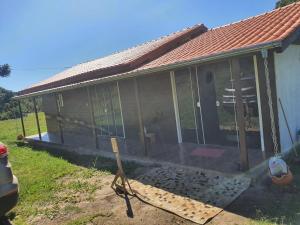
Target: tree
x,y
4,70
282,3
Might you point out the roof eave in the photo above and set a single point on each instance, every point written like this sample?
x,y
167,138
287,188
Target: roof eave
x,y
241,51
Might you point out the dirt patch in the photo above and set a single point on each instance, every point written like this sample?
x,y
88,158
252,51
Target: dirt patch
x,y
108,208
103,206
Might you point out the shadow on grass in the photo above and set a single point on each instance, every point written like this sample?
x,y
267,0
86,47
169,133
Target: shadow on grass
x,y
88,161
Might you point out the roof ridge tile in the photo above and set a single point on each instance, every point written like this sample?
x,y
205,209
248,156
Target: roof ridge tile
x,y
142,44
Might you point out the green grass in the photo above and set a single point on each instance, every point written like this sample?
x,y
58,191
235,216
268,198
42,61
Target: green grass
x,y
43,174
37,176
38,172
40,175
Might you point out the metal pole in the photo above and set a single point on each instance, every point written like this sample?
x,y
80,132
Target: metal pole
x,y
37,118
261,127
22,120
194,105
200,106
176,108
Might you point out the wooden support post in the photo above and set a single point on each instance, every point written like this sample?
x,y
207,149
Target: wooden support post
x,y
37,118
140,116
92,114
235,69
120,173
22,119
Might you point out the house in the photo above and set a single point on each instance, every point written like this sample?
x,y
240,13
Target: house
x,y
198,97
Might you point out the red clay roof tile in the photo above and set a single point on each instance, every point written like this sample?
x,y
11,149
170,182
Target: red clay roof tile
x,y
269,27
262,29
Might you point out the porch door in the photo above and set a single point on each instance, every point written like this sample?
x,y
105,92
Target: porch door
x,y
186,91
207,105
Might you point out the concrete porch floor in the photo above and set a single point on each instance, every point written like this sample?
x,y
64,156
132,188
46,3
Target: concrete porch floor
x,y
223,159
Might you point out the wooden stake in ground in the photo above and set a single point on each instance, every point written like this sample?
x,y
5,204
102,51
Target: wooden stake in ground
x,y
120,173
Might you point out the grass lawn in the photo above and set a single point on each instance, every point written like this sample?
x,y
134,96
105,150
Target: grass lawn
x,y
40,174
49,185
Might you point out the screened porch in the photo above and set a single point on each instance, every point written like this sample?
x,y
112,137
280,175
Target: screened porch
x,y
208,116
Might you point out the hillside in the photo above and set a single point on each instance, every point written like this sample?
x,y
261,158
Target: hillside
x,y
5,97
8,107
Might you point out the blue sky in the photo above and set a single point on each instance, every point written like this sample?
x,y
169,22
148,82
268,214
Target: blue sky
x,y
40,38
